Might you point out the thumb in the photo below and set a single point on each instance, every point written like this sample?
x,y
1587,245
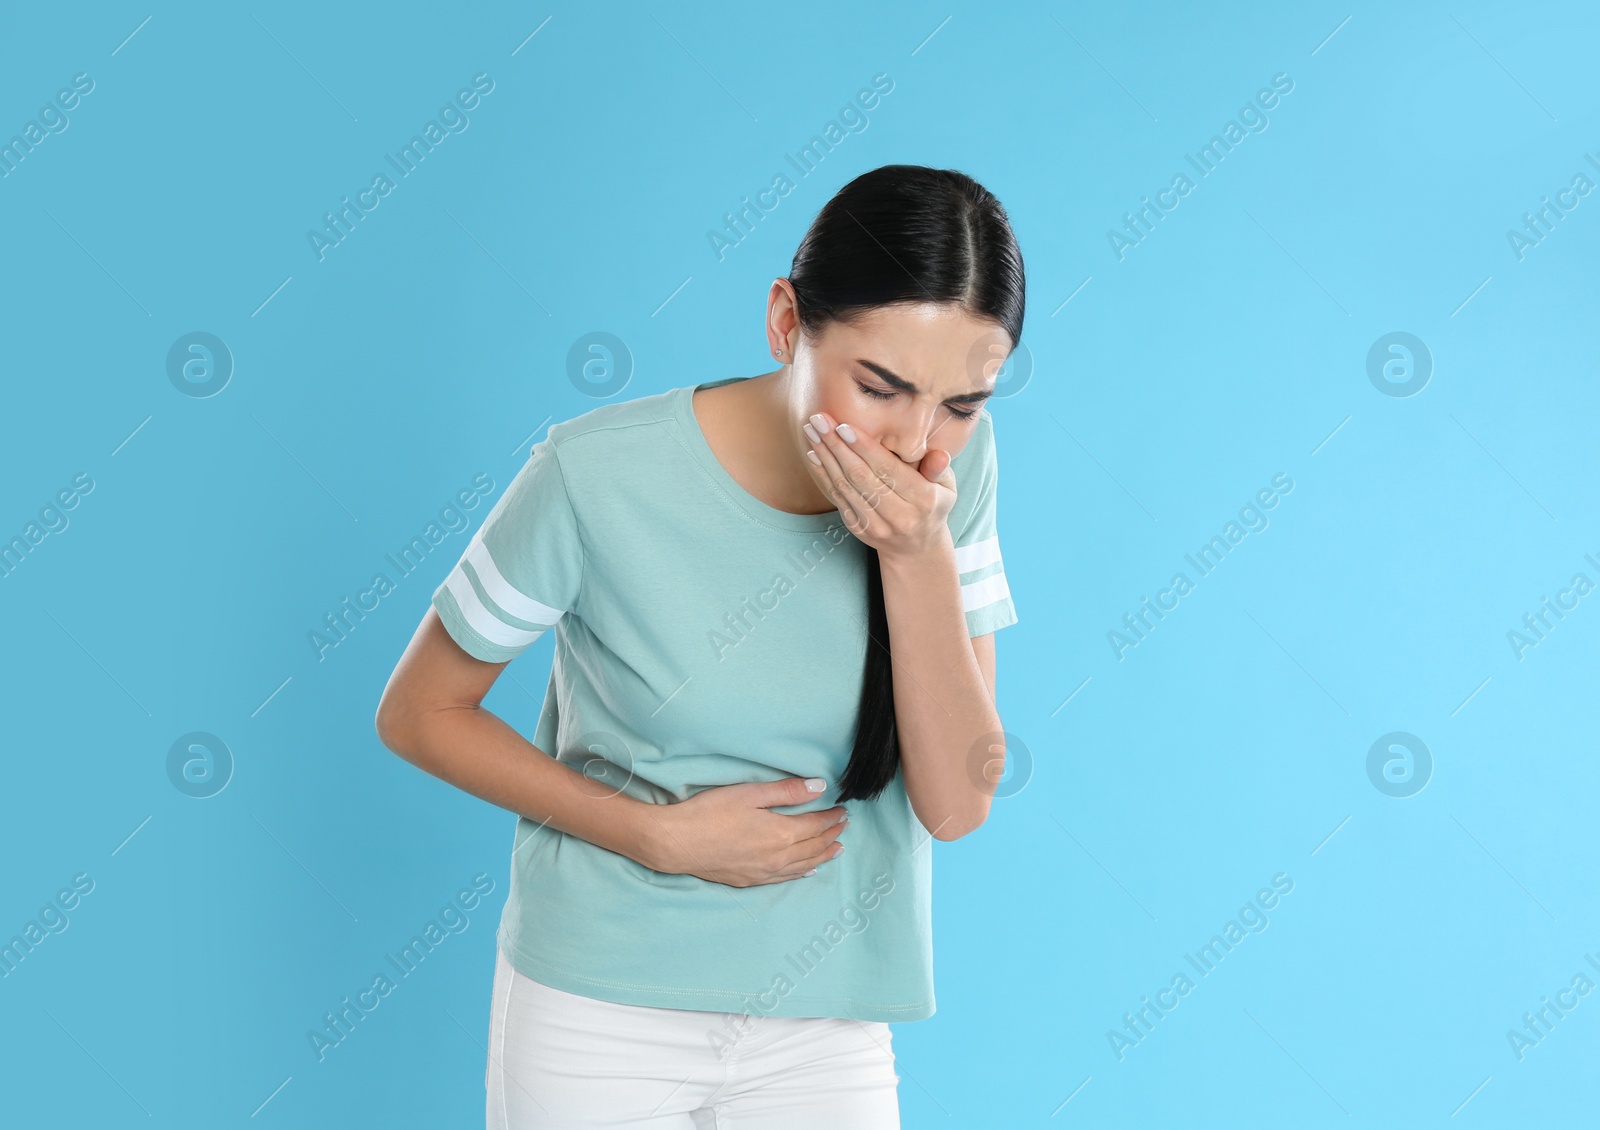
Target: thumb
x,y
789,790
935,467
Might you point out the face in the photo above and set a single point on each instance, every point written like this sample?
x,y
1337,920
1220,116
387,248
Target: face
x,y
912,377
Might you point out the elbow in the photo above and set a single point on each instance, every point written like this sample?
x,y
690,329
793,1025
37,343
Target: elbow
x,y
957,811
390,724
384,725
956,825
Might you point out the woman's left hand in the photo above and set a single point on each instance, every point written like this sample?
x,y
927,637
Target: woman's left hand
x,y
898,508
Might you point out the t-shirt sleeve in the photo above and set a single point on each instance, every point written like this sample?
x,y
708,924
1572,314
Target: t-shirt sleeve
x,y
523,568
984,593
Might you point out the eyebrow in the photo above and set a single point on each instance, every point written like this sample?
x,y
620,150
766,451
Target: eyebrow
x,y
901,383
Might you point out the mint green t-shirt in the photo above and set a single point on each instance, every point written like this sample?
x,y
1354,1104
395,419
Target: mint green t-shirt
x,y
704,638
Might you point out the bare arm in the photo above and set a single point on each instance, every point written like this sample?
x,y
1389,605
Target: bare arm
x,y
943,695
952,748
431,715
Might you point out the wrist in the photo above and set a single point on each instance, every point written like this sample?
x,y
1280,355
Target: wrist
x,y
650,841
939,552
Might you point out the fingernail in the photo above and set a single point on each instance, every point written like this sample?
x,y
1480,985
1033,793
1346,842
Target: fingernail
x,y
816,784
819,423
845,819
814,457
811,434
846,433
813,871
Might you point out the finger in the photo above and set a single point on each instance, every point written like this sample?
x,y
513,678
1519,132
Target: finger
x,y
865,471
871,468
830,479
813,842
808,824
829,851
859,496
805,853
786,790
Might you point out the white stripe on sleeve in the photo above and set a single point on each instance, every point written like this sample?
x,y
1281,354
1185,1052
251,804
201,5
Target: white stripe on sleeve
x,y
502,592
978,554
981,594
481,619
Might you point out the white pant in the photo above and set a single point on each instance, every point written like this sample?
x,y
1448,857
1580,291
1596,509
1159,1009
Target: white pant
x,y
559,1061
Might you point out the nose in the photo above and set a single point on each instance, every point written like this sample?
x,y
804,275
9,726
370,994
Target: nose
x,y
908,435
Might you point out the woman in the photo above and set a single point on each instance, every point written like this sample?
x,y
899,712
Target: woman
x,y
728,567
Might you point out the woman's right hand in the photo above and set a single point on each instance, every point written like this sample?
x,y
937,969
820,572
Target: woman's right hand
x,y
727,835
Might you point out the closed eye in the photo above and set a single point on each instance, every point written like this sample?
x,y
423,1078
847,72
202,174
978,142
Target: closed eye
x,y
881,394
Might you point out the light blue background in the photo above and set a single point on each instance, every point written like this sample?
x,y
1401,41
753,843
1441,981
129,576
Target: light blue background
x,y
1230,745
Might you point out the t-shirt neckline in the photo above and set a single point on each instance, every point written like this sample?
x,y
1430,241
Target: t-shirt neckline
x,y
749,503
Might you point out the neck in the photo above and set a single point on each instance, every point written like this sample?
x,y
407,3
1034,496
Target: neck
x,y
778,444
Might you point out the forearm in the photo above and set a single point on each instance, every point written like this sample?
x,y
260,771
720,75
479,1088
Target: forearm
x,y
942,703
478,752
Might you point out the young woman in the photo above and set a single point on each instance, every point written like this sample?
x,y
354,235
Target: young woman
x,y
774,600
